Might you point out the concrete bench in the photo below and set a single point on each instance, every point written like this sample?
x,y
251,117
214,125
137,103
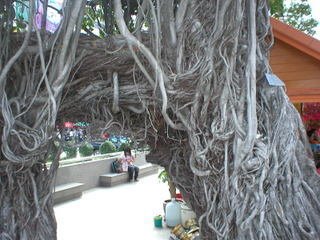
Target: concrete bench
x,y
112,179
67,192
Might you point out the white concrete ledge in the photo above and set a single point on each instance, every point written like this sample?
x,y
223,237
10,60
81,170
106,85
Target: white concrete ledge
x,y
67,192
112,179
88,172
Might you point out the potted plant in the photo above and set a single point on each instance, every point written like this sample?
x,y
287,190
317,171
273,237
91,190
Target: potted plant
x,y
165,178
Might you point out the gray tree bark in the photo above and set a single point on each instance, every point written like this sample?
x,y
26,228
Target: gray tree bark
x,y
31,84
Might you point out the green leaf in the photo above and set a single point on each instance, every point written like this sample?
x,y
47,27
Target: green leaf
x,y
298,15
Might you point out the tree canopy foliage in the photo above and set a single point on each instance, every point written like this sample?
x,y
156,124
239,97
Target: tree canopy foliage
x,y
99,16
296,14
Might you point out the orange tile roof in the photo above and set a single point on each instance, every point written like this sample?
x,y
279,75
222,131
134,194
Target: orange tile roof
x,y
296,38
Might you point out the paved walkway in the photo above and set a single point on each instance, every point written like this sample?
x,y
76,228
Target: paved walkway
x,y
117,213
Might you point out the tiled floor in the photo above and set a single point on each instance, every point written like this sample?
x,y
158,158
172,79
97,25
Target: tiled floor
x,y
119,213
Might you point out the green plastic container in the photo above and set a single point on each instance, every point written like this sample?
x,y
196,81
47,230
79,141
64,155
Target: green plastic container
x,y
157,221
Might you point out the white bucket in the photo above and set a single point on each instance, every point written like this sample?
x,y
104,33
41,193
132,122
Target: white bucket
x,y
186,214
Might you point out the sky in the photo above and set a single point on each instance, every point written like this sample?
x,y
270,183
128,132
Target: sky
x,y
315,5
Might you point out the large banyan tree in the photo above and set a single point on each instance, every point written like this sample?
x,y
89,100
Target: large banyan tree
x,y
187,77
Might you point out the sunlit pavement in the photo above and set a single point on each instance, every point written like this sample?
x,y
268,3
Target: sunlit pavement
x,y
118,213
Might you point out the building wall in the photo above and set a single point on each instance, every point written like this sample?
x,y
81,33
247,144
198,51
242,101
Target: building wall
x,y
300,72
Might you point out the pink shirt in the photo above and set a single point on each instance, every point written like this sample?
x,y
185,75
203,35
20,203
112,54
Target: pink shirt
x,y
126,161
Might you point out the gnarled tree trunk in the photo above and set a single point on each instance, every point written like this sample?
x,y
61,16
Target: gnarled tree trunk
x,y
33,74
237,147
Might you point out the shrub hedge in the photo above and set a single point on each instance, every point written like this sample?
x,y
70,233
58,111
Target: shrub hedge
x,y
86,149
123,146
71,151
107,147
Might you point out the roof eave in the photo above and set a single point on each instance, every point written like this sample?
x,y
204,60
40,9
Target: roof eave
x,y
296,38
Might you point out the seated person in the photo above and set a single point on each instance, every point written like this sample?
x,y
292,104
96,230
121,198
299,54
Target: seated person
x,y
127,165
